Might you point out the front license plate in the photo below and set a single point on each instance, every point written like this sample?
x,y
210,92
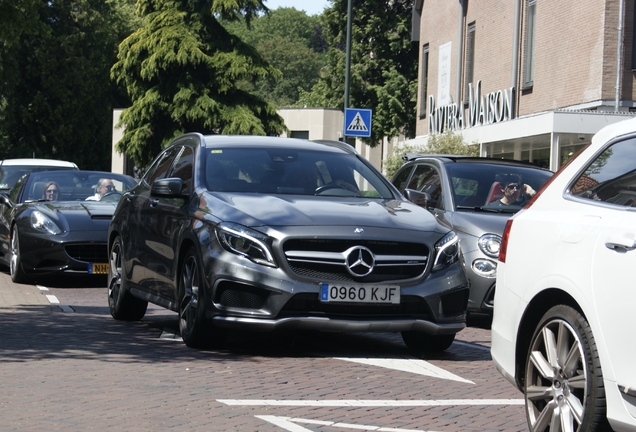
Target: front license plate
x,y
98,268
360,294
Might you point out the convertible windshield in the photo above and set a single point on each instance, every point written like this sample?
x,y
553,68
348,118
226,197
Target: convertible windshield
x,y
73,185
292,171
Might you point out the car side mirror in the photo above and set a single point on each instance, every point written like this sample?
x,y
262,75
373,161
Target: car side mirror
x,y
167,188
4,199
420,198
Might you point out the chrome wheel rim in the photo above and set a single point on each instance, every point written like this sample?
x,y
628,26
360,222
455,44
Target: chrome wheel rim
x,y
114,268
15,252
556,379
190,302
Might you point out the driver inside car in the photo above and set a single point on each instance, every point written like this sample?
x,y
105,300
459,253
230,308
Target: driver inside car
x,y
104,186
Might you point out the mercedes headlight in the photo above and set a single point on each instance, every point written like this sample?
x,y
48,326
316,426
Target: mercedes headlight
x,y
246,242
446,251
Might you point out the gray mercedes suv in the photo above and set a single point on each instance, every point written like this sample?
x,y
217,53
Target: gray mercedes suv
x,y
264,233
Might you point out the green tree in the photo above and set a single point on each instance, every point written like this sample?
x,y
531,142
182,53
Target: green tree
x,y
292,42
451,143
56,98
180,70
383,65
16,18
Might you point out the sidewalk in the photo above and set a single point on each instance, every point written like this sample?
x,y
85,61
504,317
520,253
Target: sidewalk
x,y
18,296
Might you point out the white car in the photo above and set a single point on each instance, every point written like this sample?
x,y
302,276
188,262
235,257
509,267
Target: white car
x,y
564,330
11,170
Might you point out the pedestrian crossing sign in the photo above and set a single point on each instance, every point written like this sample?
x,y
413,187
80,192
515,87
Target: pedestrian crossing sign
x,y
357,122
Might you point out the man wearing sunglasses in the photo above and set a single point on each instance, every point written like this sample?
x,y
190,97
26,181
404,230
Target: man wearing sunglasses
x,y
515,192
104,186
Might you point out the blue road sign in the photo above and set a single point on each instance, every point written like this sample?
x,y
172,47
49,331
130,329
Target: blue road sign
x,y
357,122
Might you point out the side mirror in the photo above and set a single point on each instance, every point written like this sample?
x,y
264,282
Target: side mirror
x,y
167,188
420,198
4,199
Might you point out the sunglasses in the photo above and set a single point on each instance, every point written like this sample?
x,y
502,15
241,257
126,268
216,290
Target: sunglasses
x,y
109,187
512,186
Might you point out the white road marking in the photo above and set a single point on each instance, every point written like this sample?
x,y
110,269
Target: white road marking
x,y
370,403
170,334
289,424
415,366
53,300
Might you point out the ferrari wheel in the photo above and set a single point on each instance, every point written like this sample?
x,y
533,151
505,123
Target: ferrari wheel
x,y
123,305
15,266
564,388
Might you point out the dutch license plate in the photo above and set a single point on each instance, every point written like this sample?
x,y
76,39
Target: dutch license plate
x,y
98,268
360,294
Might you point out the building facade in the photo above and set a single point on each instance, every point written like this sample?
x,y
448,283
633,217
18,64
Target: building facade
x,y
526,79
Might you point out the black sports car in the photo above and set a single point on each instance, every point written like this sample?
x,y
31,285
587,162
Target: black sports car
x,y
57,221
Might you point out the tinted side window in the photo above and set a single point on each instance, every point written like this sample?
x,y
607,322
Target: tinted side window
x,y
183,169
426,179
159,169
611,177
401,179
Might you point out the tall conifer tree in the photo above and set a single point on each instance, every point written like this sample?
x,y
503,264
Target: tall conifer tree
x,y
180,70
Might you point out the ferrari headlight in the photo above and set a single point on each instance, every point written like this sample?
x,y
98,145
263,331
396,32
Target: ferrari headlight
x,y
246,242
42,222
489,244
446,251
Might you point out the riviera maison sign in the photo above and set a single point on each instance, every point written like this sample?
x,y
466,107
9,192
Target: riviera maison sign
x,y
491,108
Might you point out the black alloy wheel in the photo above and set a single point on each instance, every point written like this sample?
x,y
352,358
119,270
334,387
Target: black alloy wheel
x,y
191,306
122,305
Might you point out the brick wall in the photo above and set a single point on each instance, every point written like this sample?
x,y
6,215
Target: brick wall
x,y
575,55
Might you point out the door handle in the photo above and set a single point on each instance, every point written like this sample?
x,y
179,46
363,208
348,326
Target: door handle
x,y
620,244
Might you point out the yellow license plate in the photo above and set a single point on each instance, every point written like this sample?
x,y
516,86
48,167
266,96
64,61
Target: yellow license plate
x,y
98,268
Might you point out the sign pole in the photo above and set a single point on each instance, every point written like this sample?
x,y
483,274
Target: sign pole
x,y
348,65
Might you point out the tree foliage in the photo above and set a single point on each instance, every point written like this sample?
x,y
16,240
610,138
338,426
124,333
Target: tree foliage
x,y
292,42
181,71
56,98
451,143
383,65
16,18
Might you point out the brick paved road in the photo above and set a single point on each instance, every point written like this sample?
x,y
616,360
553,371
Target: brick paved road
x,y
82,370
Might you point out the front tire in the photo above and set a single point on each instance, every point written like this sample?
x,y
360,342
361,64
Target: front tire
x,y
563,379
122,305
422,343
191,305
15,265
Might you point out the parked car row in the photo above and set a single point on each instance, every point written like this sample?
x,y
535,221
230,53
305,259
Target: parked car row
x,y
264,233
